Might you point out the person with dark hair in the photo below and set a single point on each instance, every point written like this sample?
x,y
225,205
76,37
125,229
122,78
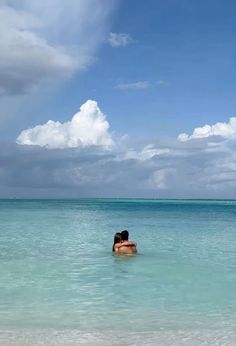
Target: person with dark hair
x,y
125,235
123,245
117,240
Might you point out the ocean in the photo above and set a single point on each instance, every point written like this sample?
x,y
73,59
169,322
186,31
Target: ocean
x,y
60,284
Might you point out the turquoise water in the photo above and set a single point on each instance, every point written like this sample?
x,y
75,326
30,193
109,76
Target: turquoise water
x,y
58,273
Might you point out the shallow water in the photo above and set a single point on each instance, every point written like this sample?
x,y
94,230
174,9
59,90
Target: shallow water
x,y
58,273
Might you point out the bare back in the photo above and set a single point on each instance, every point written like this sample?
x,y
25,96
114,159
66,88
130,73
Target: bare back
x,y
126,247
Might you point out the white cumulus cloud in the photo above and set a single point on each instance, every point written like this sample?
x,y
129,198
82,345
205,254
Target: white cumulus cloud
x,y
225,130
87,127
119,39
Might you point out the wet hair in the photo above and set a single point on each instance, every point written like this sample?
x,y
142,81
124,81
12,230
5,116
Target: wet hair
x,y
117,239
125,235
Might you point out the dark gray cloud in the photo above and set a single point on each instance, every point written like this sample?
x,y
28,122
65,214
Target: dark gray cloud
x,y
193,169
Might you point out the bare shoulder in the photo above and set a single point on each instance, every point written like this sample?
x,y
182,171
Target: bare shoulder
x,y
116,247
127,243
131,243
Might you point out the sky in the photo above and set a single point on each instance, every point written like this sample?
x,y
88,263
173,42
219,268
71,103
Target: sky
x,y
117,98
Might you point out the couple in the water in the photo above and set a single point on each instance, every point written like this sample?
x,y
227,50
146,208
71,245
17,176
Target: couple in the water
x,y
122,244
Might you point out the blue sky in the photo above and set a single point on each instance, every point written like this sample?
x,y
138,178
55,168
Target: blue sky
x,y
156,69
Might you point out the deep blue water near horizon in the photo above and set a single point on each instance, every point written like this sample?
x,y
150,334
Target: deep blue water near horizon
x,y
57,270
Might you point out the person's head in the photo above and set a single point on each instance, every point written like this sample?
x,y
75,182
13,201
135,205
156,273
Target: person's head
x,y
117,238
125,235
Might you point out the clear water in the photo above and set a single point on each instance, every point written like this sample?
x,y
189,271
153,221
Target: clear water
x,y
57,272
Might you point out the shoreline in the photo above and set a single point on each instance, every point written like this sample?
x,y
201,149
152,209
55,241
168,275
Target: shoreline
x,y
72,337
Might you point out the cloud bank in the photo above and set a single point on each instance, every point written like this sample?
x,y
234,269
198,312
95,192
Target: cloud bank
x,y
225,130
71,160
41,40
170,169
87,127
